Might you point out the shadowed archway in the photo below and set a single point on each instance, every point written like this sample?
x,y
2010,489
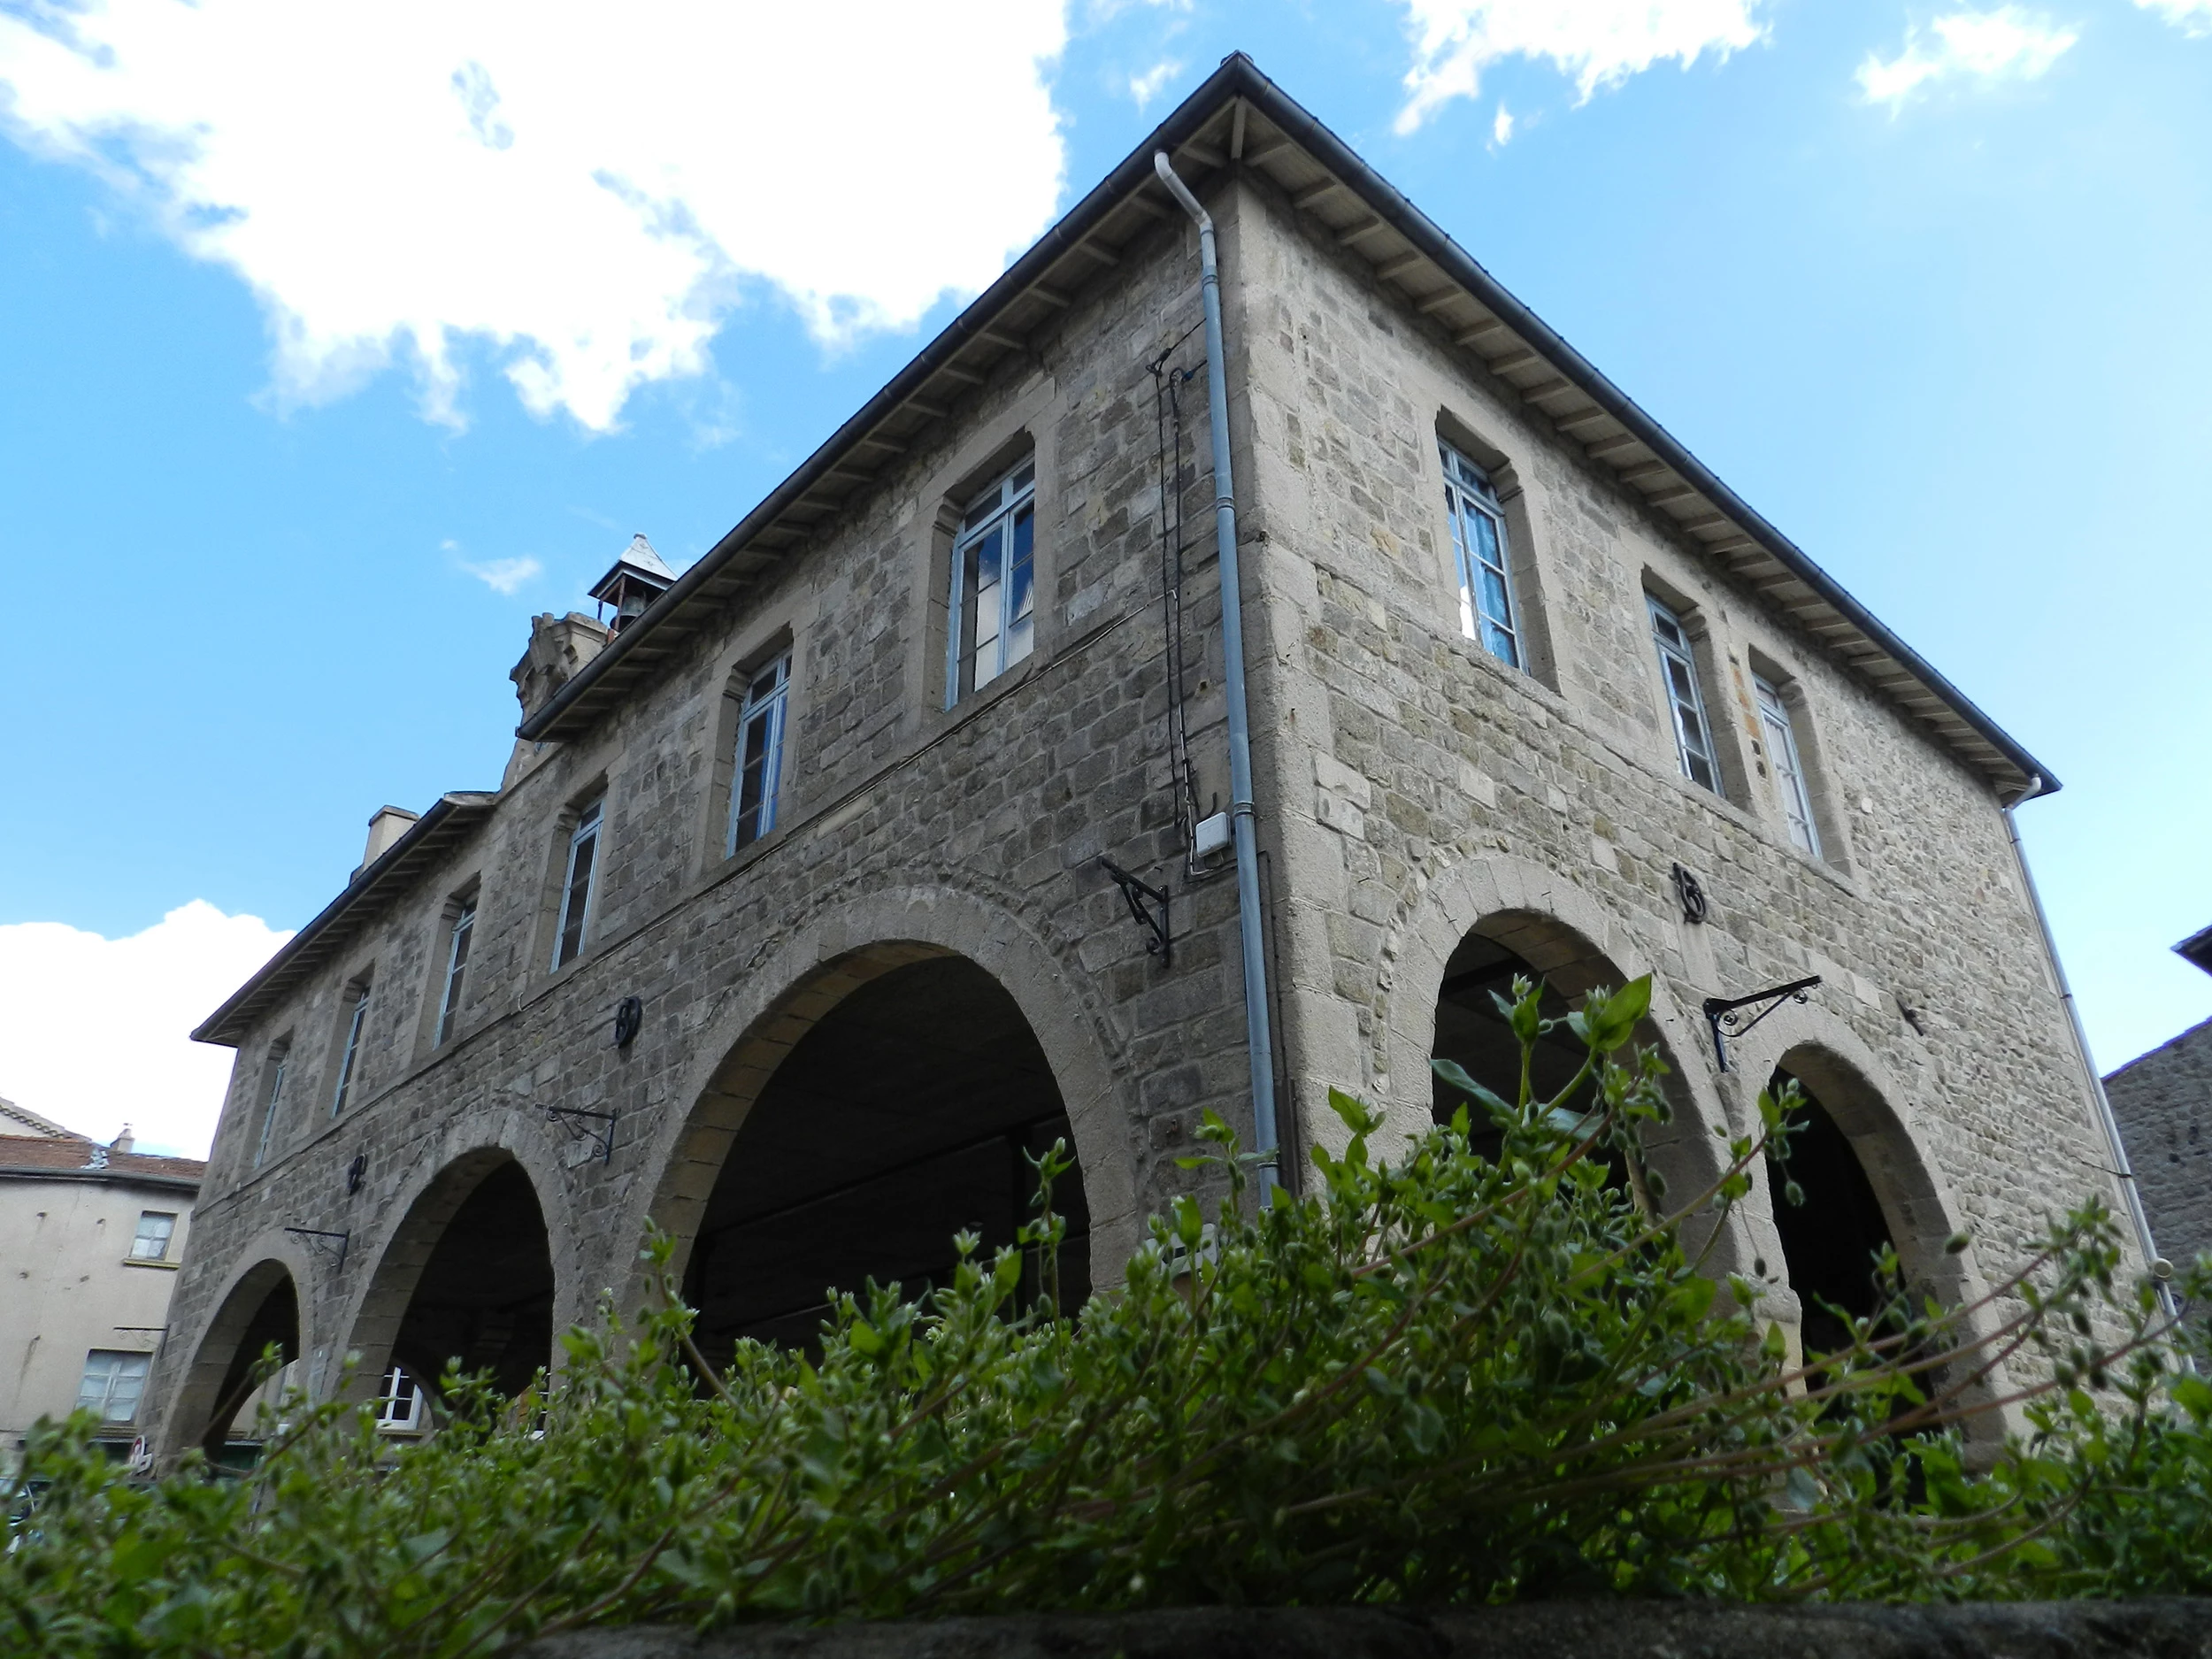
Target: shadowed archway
x,y
263,1311
1830,1242
484,1300
906,1112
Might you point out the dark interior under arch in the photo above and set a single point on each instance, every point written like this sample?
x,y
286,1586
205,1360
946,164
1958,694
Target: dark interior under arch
x,y
275,1322
909,1113
484,1298
1830,1242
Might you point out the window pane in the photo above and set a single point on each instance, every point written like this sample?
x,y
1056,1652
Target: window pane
x,y
152,1242
578,899
456,968
269,1108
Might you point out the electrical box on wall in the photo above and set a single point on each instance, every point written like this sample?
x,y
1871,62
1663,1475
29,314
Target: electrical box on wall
x,y
1212,836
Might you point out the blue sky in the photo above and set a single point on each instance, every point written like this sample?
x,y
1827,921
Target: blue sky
x,y
306,411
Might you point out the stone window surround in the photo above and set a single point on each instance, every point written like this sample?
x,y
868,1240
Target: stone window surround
x,y
992,445
355,988
1455,425
467,890
777,628
1831,822
538,964
273,1090
1704,626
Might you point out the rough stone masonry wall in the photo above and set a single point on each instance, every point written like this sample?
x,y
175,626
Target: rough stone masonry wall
x,y
1425,785
972,831
2164,1102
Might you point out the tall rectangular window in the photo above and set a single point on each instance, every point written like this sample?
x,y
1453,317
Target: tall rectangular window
x,y
992,611
583,855
1486,610
1789,769
273,1104
456,962
151,1243
112,1384
1678,670
349,1055
759,760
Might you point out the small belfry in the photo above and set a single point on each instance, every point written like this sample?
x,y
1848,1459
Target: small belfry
x,y
639,577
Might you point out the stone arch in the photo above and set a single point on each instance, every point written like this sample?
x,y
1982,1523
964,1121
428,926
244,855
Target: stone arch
x,y
430,1297
262,1301
1859,1094
1576,944
812,973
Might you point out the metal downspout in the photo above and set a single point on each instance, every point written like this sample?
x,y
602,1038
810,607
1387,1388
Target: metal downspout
x,y
2156,1265
1258,1039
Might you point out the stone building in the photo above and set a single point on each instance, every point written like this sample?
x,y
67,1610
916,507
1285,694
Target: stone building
x,y
91,1240
794,925
2163,1103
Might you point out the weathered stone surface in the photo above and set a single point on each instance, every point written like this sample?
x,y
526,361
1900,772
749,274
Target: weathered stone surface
x,y
2163,1101
1409,789
2171,1628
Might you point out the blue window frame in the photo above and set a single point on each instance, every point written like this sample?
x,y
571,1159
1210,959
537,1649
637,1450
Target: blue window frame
x,y
758,766
1488,613
1677,672
993,602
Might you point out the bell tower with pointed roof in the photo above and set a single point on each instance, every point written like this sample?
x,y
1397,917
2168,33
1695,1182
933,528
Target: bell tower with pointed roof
x,y
639,577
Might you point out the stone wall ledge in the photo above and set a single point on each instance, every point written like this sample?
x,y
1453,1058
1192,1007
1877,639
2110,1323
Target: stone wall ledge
x,y
2153,1628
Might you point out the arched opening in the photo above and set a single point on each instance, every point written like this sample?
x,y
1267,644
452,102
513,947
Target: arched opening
x,y
907,1112
1831,1241
483,1299
1473,1031
262,1311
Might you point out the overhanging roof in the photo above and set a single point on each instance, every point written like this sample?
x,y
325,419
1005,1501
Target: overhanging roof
x,y
342,920
1241,119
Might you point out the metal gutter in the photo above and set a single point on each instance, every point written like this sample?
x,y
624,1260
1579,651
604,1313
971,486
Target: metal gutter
x,y
187,1183
301,953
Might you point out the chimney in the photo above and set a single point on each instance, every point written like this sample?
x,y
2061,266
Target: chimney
x,y
389,824
123,1142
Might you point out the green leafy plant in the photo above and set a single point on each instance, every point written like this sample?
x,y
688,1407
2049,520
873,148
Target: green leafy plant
x,y
1438,1377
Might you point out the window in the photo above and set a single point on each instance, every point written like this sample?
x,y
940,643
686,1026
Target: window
x,y
583,853
759,753
350,1054
279,1055
1678,668
156,1228
1486,610
456,962
113,1383
993,600
1789,769
399,1403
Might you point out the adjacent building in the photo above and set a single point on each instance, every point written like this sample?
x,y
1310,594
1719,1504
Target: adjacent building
x,y
91,1238
835,876
2163,1103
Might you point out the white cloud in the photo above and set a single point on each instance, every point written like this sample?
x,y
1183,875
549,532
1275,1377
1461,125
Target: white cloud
x,y
2006,44
586,189
1502,128
94,1030
505,576
2191,17
1146,87
1597,43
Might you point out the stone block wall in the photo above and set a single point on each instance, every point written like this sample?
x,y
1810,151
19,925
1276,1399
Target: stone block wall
x,y
2163,1101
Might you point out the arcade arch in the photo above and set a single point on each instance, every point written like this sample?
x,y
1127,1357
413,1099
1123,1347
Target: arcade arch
x,y
910,1111
990,967
467,1278
261,1308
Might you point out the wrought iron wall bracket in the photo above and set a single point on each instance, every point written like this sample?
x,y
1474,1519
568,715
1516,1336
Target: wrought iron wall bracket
x,y
1142,896
1726,1016
330,1244
585,1125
